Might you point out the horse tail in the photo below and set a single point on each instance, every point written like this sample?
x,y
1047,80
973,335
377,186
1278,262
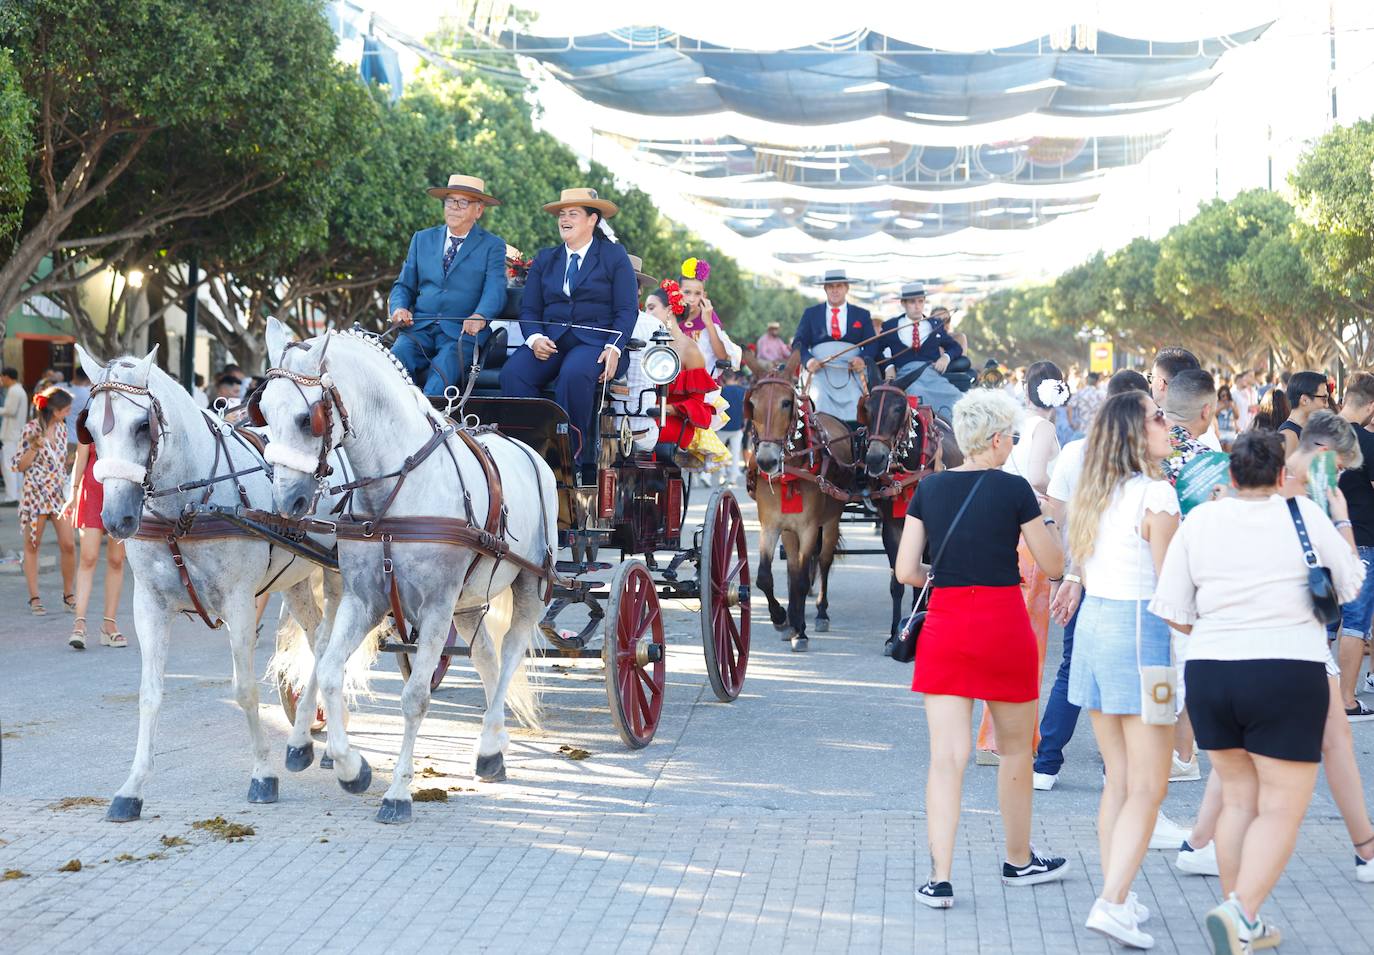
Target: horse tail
x,y
294,658
524,694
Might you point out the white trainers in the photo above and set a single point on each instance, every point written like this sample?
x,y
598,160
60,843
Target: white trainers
x,y
1182,772
1142,912
1043,782
1198,861
1368,682
1231,932
1364,869
1118,923
1167,833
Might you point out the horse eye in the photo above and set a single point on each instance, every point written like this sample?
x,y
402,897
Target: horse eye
x,y
141,427
303,422
787,403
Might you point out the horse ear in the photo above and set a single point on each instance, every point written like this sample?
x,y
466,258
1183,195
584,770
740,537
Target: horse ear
x,y
278,335
144,369
89,364
793,365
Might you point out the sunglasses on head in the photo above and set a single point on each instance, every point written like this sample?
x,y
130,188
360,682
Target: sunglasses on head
x,y
1156,415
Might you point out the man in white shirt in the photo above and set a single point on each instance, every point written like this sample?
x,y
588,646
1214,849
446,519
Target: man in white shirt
x,y
1245,398
13,416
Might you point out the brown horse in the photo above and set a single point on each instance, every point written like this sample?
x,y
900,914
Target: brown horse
x,y
904,446
796,457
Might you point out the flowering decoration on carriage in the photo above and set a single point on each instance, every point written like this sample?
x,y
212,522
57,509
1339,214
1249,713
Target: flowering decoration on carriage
x,y
517,266
675,301
1052,392
695,268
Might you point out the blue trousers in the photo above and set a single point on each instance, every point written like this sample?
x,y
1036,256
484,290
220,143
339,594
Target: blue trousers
x,y
574,371
434,359
1060,717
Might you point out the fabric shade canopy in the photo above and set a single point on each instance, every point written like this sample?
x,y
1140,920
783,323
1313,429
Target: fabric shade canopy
x,y
648,70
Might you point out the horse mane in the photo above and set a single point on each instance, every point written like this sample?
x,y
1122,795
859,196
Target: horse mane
x,y
374,341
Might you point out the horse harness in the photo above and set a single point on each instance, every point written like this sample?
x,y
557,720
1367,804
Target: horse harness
x,y
190,526
803,440
917,434
488,540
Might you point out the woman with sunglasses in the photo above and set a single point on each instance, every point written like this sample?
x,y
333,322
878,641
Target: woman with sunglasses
x,y
1124,515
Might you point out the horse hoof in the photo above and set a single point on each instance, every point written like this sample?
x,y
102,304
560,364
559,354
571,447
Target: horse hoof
x,y
394,810
326,761
887,646
263,790
783,628
124,809
300,757
822,624
359,783
799,644
492,768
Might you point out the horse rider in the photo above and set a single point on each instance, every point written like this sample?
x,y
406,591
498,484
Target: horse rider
x,y
921,350
452,283
578,312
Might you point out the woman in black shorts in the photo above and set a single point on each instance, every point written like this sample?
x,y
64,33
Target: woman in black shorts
x,y
1235,581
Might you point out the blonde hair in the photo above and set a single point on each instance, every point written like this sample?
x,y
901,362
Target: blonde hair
x,y
979,415
1117,450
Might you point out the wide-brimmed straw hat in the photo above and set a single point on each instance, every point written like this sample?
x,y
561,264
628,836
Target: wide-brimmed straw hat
x,y
469,186
583,197
645,281
834,275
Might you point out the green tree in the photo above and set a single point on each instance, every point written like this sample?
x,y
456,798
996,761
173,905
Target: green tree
x,y
223,93
15,144
1334,189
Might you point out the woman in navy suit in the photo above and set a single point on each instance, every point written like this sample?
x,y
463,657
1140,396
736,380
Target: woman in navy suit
x,y
579,309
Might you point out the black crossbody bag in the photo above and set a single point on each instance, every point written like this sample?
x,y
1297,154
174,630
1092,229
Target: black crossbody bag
x,y
904,649
1325,606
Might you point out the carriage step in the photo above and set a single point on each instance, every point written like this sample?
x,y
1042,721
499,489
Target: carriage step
x,y
576,568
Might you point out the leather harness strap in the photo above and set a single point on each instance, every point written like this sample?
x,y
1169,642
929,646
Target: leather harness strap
x,y
197,528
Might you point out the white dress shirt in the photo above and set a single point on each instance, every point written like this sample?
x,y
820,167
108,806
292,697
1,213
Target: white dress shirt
x,y
581,264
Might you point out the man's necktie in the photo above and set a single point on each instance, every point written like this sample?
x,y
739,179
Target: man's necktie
x,y
571,273
835,332
453,242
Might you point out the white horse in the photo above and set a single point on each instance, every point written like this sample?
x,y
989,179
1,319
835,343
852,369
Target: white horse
x,y
345,390
151,440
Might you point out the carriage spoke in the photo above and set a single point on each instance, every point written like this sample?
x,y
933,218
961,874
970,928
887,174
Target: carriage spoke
x,y
642,702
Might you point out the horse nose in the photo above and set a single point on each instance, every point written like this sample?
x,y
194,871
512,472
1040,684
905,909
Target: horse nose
x,y
300,506
125,526
877,460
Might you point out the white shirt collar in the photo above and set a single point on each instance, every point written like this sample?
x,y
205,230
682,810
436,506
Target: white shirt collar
x,y
450,236
580,253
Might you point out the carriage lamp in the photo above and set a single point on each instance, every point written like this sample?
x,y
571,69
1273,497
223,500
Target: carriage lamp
x,y
660,363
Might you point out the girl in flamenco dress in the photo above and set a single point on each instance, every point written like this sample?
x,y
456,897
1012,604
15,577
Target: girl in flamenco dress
x,y
702,324
694,403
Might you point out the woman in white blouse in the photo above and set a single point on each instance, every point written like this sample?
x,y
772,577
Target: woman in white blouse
x,y
1236,581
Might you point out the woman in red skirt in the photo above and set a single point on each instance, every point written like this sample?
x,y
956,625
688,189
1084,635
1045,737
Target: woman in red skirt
x,y
977,642
84,502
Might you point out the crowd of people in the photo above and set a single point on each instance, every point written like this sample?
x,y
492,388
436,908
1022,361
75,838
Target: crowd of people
x,y
1205,548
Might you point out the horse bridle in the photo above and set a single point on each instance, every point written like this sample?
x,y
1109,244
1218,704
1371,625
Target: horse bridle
x,y
763,431
154,418
906,432
321,411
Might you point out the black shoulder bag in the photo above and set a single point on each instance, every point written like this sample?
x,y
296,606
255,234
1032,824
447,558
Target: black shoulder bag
x,y
1324,603
904,649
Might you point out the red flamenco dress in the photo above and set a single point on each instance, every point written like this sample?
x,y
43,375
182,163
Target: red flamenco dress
x,y
688,427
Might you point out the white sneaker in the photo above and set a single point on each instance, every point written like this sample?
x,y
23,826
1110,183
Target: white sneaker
x,y
1368,682
1118,923
1364,869
1167,833
1200,861
1043,782
1142,912
1184,772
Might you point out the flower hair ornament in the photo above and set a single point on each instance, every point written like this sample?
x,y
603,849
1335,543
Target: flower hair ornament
x,y
675,303
695,268
40,401
1052,393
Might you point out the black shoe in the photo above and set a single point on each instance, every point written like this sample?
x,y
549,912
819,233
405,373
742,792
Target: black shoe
x,y
887,646
1038,869
936,895
1359,713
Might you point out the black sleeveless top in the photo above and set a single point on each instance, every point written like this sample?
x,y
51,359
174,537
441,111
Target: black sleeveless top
x,y
1291,426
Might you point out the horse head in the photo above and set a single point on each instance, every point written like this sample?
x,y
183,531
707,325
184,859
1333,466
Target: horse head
x,y
125,423
891,426
772,407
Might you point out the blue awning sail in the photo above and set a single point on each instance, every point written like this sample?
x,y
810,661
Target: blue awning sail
x,y
869,74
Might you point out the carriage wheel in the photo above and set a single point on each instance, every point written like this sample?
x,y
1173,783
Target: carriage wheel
x,y
403,659
290,698
723,573
634,654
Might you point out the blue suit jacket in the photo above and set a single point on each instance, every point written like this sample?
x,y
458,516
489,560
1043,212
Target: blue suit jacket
x,y
814,328
605,295
475,284
929,350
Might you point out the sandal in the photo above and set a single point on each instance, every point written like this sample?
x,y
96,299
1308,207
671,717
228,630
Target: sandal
x,y
77,641
69,601
36,607
111,638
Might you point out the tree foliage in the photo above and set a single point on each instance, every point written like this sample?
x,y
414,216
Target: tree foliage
x,y
15,144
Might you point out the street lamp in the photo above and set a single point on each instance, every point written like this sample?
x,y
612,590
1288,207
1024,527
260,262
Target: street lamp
x,y
134,278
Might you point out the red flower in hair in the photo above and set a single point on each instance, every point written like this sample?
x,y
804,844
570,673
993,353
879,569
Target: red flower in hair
x,y
40,401
675,302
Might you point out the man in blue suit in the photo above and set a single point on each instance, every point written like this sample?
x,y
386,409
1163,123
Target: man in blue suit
x,y
579,309
835,320
452,284
914,342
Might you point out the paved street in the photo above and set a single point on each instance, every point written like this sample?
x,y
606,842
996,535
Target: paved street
x,y
786,822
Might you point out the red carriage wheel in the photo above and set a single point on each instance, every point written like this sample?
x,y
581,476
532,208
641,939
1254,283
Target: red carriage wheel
x,y
403,658
723,573
290,698
634,654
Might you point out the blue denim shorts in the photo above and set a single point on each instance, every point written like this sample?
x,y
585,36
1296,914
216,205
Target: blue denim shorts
x,y
1103,674
1356,615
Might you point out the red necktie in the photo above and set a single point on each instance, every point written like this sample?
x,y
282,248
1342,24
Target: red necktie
x,y
835,332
